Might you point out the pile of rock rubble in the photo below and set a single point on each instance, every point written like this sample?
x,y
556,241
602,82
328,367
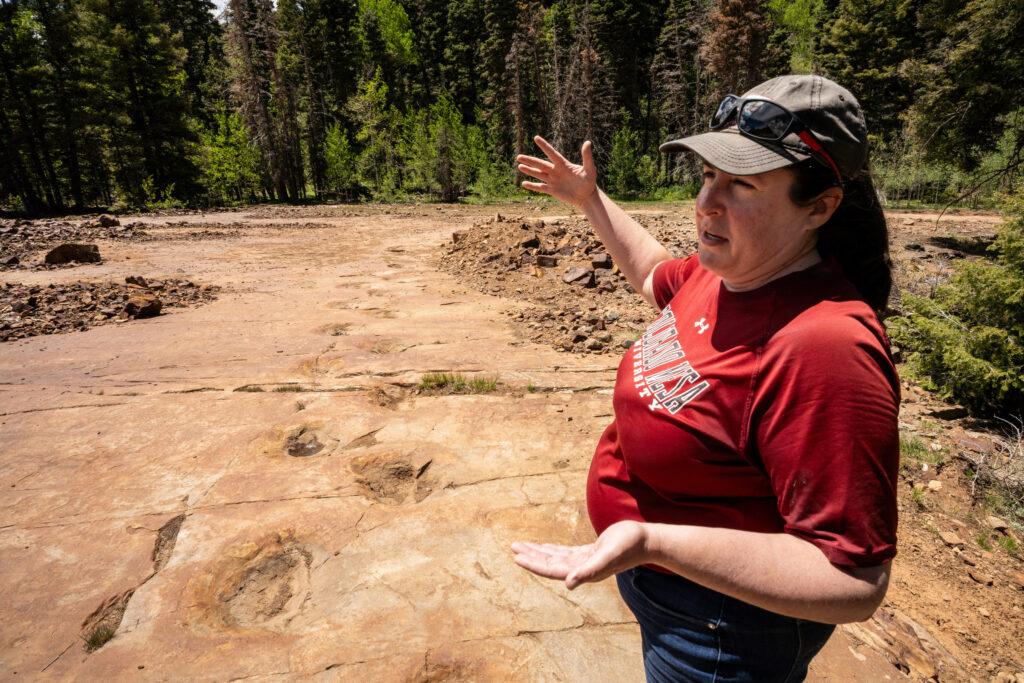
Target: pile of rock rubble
x,y
30,310
575,297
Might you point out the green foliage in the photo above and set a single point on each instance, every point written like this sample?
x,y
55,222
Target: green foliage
x,y
394,27
494,179
157,103
800,19
969,87
379,133
437,150
917,495
144,111
864,49
230,163
967,341
915,450
630,173
341,161
1009,545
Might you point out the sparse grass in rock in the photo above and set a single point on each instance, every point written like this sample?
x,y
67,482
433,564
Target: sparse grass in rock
x,y
251,388
99,637
483,385
532,388
284,388
917,495
983,541
457,383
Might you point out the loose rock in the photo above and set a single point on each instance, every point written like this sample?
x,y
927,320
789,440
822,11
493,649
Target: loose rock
x,y
143,306
951,539
66,253
579,276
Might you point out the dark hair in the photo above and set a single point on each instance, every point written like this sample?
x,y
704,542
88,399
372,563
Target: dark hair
x,y
856,234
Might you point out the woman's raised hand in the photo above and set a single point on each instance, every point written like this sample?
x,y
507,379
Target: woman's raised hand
x,y
571,183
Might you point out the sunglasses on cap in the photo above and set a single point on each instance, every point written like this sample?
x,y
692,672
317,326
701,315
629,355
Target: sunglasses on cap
x,y
762,119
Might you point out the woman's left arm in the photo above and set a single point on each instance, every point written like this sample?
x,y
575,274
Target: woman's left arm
x,y
775,571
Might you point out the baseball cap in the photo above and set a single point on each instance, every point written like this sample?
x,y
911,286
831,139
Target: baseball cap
x,y
828,109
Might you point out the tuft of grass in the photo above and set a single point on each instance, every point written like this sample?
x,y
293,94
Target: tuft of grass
x,y
99,637
532,388
1009,544
983,541
251,388
917,495
457,383
284,388
435,381
913,449
483,385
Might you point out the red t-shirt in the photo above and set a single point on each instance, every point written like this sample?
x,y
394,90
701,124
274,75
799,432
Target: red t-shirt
x,y
773,410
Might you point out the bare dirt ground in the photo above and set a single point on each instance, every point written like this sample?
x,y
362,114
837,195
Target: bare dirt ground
x,y
253,485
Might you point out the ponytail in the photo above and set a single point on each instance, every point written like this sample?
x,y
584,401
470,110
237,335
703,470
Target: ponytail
x,y
856,234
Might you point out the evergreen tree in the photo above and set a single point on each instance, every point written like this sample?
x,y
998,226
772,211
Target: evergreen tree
x,y
863,50
152,144
340,161
266,101
739,49
437,152
231,164
429,19
500,18
460,64
526,98
679,77
59,29
586,105
199,33
969,89
31,172
627,33
379,134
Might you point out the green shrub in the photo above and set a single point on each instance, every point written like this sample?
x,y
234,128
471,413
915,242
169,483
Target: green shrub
x,y
967,341
631,174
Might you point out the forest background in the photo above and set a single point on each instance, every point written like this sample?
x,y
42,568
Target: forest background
x,y
156,103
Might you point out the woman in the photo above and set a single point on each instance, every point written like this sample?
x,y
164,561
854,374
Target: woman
x,y
744,495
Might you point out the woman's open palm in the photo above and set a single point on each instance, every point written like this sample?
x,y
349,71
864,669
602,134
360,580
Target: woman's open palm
x,y
560,178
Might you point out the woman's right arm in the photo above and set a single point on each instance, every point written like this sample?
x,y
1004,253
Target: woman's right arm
x,y
633,249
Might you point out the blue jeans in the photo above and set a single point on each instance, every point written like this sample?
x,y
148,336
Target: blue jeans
x,y
692,633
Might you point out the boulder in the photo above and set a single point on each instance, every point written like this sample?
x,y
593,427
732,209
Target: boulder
x,y
107,221
142,306
996,523
69,252
601,260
